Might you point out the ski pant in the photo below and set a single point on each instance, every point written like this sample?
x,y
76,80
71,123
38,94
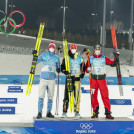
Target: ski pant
x,y
102,85
76,87
44,85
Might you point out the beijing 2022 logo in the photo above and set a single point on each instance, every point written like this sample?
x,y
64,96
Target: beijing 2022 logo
x,y
85,128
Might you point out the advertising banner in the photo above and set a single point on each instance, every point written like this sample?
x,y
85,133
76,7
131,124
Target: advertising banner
x,y
23,79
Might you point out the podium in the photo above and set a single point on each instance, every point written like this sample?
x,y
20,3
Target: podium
x,y
83,125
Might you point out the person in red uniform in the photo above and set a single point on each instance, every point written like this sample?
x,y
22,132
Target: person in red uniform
x,y
96,65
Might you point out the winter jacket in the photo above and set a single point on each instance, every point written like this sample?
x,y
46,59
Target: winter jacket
x,y
75,62
98,64
50,64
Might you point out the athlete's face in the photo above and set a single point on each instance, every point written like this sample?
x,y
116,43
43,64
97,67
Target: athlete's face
x,y
73,51
97,51
51,49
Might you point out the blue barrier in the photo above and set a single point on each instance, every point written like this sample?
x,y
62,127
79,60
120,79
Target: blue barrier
x,y
120,102
7,110
8,100
23,79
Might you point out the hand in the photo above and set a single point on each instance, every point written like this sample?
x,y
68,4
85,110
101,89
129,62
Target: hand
x,y
116,53
85,49
59,49
58,70
89,69
34,52
65,72
82,75
77,79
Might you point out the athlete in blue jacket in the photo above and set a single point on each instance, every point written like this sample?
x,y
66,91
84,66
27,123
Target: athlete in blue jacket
x,y
47,78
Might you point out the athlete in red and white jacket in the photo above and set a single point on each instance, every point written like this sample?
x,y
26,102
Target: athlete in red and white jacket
x,y
96,65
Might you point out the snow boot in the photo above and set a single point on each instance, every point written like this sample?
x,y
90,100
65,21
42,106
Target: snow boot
x,y
95,113
39,116
64,115
77,115
49,115
108,114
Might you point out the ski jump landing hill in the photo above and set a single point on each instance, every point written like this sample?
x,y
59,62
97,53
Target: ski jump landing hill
x,y
16,55
16,58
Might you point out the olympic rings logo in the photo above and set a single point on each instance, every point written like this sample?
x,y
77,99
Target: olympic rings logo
x,y
120,101
86,125
11,21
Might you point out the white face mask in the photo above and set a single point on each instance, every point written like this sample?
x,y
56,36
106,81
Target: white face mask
x,y
51,50
73,51
97,52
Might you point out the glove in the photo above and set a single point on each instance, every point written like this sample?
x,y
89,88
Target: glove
x,y
66,72
117,53
58,70
77,79
34,52
73,79
59,49
84,50
89,69
82,75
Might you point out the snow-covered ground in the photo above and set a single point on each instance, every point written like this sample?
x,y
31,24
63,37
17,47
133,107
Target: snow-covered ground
x,y
27,106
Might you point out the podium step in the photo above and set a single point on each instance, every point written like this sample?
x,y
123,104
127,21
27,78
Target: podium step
x,y
82,119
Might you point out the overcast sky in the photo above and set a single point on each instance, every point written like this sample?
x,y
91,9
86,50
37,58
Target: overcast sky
x,y
78,13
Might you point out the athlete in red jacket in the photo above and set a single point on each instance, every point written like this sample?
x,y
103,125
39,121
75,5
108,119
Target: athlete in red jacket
x,y
98,80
